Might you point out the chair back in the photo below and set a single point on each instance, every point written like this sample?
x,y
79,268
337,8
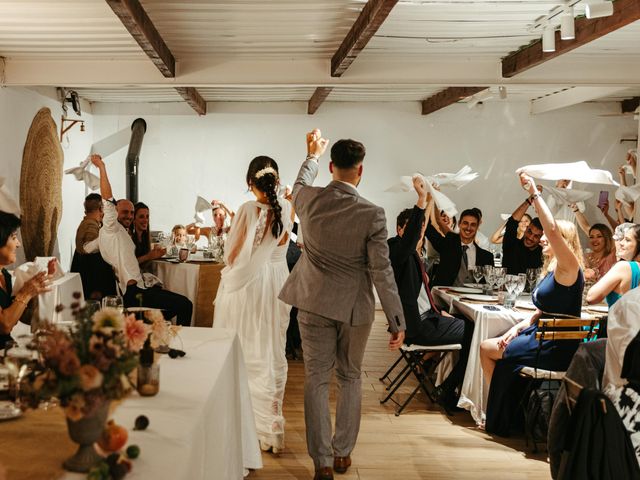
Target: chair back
x,y
567,328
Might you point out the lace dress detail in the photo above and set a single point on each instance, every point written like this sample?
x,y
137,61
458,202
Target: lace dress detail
x,y
261,227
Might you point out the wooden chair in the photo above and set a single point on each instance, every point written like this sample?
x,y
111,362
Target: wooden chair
x,y
559,328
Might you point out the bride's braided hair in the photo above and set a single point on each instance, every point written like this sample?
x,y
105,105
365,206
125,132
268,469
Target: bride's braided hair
x,y
263,174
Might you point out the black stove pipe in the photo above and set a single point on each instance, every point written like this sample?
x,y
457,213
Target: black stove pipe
x,y
138,129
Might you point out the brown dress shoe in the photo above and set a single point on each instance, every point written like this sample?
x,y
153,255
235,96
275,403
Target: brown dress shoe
x,y
341,464
323,473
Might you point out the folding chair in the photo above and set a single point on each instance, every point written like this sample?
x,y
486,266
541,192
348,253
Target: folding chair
x,y
558,329
413,356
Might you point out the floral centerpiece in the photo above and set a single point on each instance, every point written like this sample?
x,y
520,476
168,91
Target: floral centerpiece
x,y
87,365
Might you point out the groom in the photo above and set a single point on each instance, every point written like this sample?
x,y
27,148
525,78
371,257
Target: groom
x,y
345,254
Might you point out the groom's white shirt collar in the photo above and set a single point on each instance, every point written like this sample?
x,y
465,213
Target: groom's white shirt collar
x,y
351,185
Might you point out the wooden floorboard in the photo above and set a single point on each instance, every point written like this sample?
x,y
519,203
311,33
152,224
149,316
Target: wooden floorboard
x,y
422,443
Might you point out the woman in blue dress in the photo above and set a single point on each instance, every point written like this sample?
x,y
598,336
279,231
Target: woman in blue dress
x,y
559,292
624,275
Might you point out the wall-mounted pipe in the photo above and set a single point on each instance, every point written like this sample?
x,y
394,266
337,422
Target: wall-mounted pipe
x,y
138,129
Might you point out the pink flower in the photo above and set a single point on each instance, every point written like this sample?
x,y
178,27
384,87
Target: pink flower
x,y
69,363
136,332
90,377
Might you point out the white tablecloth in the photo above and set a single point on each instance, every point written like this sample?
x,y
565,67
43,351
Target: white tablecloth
x,y
488,324
61,293
180,278
201,421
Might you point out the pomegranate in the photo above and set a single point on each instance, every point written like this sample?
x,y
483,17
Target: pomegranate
x,y
113,437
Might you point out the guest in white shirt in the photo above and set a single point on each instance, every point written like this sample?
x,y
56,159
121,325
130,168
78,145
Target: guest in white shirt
x,y
118,250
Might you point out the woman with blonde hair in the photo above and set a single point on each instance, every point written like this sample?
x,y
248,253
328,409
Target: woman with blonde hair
x,y
559,292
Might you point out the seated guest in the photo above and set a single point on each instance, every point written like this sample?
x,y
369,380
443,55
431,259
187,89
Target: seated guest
x,y
623,276
603,253
521,253
458,251
179,234
498,235
426,324
13,304
219,213
97,275
558,292
618,236
118,249
141,237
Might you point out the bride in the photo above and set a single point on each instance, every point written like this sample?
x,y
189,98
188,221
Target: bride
x,y
247,299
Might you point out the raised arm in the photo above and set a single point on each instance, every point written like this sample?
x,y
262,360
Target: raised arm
x,y
567,263
498,235
608,283
582,220
411,235
105,185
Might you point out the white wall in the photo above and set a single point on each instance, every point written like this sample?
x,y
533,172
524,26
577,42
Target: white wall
x,y
18,106
184,154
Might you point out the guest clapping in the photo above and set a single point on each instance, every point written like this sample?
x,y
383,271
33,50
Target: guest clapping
x,y
13,304
623,276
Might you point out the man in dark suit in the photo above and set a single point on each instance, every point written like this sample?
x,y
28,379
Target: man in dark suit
x,y
458,251
520,254
426,324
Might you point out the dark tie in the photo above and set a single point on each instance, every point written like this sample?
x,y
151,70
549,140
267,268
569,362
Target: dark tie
x,y
425,280
465,260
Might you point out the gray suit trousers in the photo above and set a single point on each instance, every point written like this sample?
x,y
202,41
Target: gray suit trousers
x,y
327,344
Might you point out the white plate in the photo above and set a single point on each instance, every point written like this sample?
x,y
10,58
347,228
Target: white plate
x,y
172,260
480,298
8,411
140,309
465,290
525,305
471,285
202,259
597,308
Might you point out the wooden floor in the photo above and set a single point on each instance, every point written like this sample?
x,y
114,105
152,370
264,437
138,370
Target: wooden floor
x,y
422,443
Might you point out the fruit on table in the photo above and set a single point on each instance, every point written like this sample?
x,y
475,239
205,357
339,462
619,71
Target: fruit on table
x,y
142,422
113,437
133,451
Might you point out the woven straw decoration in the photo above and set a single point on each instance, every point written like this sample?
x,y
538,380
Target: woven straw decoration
x,y
41,186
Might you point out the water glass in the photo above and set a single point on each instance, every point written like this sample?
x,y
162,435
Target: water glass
x,y
532,277
113,301
522,281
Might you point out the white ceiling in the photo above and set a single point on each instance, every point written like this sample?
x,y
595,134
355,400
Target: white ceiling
x,y
279,50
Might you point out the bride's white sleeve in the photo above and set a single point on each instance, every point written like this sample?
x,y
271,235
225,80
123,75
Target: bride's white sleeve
x,y
241,233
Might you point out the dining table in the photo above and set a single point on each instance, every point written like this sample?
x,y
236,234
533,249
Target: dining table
x,y
197,279
201,423
490,320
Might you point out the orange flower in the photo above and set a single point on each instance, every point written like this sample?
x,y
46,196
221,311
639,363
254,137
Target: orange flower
x,y
90,377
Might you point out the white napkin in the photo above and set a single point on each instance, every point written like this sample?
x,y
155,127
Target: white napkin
x,y
628,195
505,216
458,179
566,196
28,270
578,171
202,205
7,202
82,174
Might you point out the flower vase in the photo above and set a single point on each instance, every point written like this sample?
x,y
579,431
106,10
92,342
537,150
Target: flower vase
x,y
85,432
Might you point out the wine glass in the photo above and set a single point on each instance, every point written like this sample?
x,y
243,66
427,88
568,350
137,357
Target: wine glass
x,y
522,281
477,275
113,301
500,274
17,361
532,277
510,285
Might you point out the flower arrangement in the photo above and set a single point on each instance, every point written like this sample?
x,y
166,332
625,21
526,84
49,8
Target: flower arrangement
x,y
88,364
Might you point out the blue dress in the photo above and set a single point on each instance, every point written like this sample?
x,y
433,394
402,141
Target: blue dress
x,y
613,297
507,387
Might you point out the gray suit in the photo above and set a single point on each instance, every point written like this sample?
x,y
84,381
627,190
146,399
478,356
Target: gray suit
x,y
345,254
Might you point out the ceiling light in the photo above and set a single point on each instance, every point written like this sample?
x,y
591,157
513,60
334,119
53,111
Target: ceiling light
x,y
503,92
549,39
567,24
598,9
479,97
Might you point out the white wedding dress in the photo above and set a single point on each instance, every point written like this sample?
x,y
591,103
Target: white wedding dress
x,y
247,302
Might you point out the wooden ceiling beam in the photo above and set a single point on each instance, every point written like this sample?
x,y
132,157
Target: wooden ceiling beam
x,y
193,98
587,30
366,25
629,105
319,96
142,29
447,97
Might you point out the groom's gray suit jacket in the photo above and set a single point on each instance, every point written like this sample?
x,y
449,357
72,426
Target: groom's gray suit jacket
x,y
345,254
